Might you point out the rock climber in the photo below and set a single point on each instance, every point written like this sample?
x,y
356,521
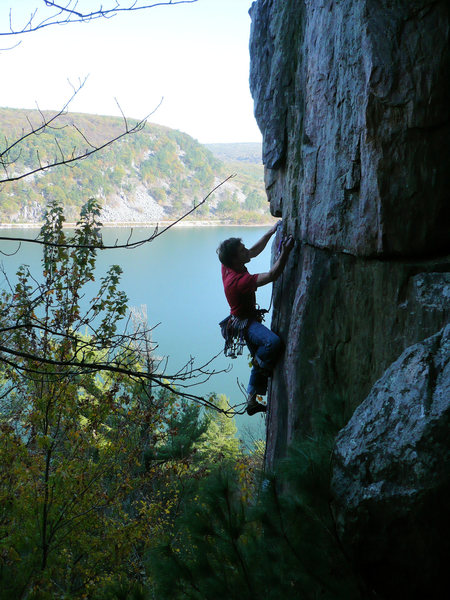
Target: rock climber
x,y
243,325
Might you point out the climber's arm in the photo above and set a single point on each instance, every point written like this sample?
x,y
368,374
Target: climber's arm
x,y
278,266
262,242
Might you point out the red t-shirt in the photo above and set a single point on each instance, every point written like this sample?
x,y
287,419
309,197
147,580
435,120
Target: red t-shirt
x,y
240,291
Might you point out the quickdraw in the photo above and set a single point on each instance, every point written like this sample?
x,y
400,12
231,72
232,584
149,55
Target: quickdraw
x,y
233,331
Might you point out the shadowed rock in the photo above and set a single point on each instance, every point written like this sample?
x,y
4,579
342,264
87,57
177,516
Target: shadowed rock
x,y
391,478
352,100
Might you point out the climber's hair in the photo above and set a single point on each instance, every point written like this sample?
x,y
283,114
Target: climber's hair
x,y
227,250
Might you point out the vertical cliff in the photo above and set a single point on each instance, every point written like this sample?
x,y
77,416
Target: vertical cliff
x,y
352,98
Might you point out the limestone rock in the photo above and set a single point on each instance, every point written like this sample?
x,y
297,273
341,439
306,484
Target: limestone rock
x,y
140,208
391,479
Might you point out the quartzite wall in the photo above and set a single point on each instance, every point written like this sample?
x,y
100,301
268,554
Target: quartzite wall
x,y
352,98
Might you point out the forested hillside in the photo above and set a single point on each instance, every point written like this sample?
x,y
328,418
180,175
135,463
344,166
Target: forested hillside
x,y
241,152
154,174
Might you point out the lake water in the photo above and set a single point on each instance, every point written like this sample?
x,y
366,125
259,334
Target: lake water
x,y
177,277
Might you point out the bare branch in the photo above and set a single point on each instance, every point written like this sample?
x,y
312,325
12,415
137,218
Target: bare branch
x,y
128,244
52,123
13,252
67,13
76,368
46,122
67,161
11,47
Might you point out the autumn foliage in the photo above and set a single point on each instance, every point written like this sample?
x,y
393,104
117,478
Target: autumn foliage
x,y
95,465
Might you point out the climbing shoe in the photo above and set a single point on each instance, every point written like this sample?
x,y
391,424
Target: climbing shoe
x,y
253,406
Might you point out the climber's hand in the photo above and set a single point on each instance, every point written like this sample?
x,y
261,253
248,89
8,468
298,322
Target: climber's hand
x,y
279,264
275,227
288,244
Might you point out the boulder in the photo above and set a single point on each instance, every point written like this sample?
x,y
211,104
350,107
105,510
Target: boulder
x,y
391,476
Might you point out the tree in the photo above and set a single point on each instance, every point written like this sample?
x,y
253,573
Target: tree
x,y
255,201
219,442
93,458
227,205
50,307
78,411
278,541
76,254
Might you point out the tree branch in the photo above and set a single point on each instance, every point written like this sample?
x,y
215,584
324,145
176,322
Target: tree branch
x,y
81,367
128,244
66,13
46,124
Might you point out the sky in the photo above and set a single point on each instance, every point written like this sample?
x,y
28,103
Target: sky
x,y
194,56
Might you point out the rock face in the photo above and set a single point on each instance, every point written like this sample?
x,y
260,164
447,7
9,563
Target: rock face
x,y
391,475
142,208
352,98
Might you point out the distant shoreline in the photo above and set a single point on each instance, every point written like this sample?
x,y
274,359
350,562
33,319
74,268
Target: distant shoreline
x,y
150,224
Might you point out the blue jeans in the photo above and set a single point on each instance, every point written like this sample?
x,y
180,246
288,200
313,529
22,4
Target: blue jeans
x,y
265,347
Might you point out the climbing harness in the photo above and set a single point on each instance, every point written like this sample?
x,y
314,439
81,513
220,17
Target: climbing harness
x,y
233,331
